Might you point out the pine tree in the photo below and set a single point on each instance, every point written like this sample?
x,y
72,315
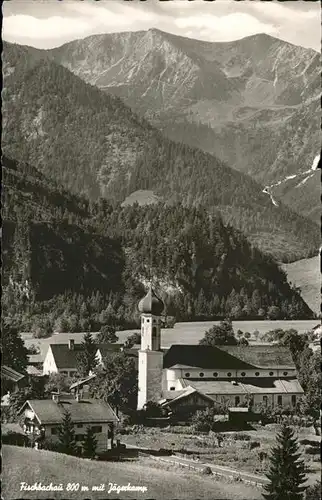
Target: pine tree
x,y
86,360
66,435
89,443
287,472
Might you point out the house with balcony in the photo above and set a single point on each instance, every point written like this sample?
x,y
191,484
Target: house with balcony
x,y
42,418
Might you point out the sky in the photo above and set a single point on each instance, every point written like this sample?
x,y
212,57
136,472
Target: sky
x,y
50,23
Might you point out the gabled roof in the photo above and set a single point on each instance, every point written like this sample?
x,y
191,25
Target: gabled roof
x,y
228,357
183,394
11,374
64,356
32,370
108,347
86,411
262,356
202,356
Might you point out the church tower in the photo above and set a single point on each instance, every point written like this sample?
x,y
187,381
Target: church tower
x,y
150,354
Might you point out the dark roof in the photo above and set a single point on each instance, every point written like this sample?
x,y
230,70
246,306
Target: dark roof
x,y
64,356
11,374
85,411
262,356
228,357
201,356
108,347
151,304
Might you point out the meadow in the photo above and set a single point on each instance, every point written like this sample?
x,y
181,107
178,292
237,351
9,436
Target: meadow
x,y
306,274
182,333
30,466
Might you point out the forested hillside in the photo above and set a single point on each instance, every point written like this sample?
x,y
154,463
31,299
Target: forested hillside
x,y
74,264
94,145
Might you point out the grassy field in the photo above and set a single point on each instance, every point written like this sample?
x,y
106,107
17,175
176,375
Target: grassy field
x,y
305,273
234,453
182,333
30,466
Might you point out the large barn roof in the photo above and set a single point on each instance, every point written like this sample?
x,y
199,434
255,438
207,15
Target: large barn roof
x,y
228,357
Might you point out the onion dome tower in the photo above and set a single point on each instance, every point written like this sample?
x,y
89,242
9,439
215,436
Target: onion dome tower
x,y
150,354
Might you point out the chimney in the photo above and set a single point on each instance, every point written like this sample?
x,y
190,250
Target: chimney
x,y
55,396
71,344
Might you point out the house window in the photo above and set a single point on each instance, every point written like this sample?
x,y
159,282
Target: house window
x,y
187,374
79,437
79,426
215,374
172,388
237,400
64,372
257,374
265,400
243,374
293,400
285,373
201,374
228,374
54,431
97,428
271,373
279,400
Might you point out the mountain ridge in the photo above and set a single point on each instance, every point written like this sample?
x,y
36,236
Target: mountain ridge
x,y
212,95
95,145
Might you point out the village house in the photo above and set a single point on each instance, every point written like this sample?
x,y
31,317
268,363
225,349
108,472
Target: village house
x,y
188,375
62,358
42,418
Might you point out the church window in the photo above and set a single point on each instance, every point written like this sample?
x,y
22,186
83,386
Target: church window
x,y
228,374
154,331
187,374
285,373
215,374
243,374
147,320
257,374
271,373
201,374
172,388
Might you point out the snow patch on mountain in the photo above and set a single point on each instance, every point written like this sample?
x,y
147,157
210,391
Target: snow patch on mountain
x,y
314,167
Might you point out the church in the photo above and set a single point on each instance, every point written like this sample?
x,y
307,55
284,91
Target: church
x,y
195,376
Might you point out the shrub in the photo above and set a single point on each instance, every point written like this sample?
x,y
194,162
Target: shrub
x,y
254,444
15,438
206,471
241,437
48,444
